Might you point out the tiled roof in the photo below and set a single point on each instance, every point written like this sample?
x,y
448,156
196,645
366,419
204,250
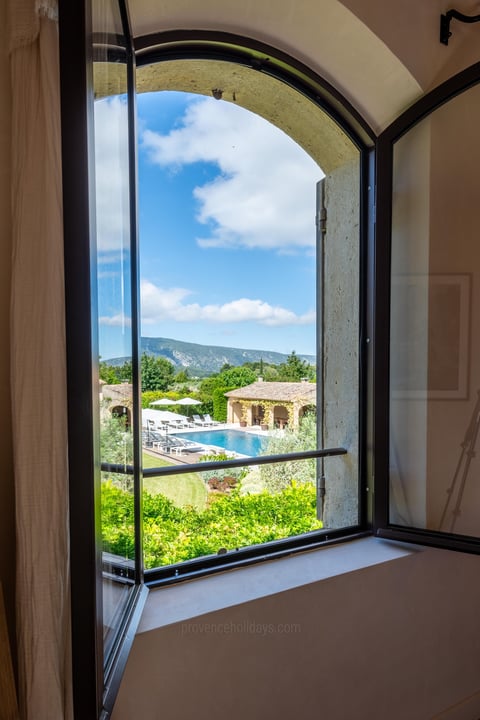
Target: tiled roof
x,y
118,392
282,391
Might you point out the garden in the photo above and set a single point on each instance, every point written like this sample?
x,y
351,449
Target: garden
x,y
203,513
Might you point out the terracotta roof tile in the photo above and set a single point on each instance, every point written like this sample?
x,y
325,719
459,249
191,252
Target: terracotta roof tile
x,y
282,391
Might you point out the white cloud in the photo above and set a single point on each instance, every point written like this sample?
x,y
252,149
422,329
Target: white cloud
x,y
119,320
264,195
111,176
160,304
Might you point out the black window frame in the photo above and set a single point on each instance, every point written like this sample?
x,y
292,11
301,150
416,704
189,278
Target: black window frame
x,y
96,678
94,693
229,48
424,107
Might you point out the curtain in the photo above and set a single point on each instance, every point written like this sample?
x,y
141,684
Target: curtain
x,y
38,367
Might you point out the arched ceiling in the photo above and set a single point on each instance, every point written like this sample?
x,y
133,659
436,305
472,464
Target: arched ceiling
x,y
381,55
292,112
411,30
276,101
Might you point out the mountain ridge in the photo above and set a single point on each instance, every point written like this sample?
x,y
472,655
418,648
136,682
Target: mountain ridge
x,y
206,359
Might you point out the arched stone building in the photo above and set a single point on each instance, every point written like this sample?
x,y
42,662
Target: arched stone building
x,y
275,404
117,400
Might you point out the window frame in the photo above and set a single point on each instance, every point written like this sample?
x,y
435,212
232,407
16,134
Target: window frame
x,y
94,693
208,45
95,680
423,108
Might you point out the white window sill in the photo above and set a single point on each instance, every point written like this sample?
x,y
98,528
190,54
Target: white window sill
x,y
190,599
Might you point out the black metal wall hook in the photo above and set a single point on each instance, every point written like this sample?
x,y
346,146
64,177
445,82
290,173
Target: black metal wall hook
x,y
445,19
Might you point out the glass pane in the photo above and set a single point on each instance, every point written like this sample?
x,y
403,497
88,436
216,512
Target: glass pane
x,y
200,513
111,141
434,410
247,307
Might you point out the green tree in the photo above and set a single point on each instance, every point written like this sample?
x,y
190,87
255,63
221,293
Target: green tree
x,y
182,376
116,447
236,377
157,373
108,373
124,372
270,373
279,476
213,387
294,369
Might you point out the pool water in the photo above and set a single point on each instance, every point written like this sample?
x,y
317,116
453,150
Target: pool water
x,y
235,440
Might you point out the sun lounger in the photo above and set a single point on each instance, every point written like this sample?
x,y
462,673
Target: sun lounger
x,y
181,444
149,437
198,421
166,443
207,419
179,424
189,446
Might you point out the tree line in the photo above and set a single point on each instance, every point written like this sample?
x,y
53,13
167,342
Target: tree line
x,y
160,379
159,374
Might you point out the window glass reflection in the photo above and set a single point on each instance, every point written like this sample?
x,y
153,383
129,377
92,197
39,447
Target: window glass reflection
x,y
434,378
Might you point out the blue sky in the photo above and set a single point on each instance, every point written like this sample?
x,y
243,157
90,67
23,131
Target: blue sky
x,y
226,224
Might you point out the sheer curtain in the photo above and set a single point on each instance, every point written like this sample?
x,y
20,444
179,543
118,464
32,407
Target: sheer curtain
x,y
38,366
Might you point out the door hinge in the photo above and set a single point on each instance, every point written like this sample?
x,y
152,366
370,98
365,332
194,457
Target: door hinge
x,y
321,491
321,220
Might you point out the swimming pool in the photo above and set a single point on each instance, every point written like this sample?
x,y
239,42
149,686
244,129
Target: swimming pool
x,y
236,440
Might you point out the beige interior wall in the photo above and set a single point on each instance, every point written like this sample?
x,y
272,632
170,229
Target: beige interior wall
x,y
396,641
323,34
7,530
411,31
380,55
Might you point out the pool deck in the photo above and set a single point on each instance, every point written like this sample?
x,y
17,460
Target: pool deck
x,y
186,458
255,429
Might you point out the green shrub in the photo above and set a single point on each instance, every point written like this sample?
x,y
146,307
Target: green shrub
x,y
173,534
220,403
223,478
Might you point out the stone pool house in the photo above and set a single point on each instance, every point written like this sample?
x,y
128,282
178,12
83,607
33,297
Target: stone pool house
x,y
272,404
117,399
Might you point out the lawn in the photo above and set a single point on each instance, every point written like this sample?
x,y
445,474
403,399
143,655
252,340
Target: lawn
x,y
185,489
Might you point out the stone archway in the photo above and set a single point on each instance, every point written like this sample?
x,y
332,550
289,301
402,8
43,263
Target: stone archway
x,y
280,416
306,409
121,412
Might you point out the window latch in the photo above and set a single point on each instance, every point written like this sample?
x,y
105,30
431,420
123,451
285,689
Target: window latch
x,y
321,497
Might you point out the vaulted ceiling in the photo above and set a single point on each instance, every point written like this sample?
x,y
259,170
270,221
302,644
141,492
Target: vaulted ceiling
x,y
380,55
